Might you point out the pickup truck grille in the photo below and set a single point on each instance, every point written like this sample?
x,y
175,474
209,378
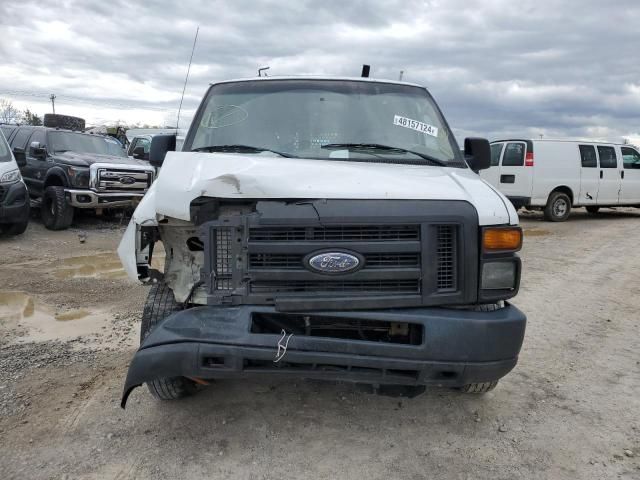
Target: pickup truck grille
x,y
116,180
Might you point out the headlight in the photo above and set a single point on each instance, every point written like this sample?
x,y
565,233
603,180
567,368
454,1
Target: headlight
x,y
11,176
499,275
79,177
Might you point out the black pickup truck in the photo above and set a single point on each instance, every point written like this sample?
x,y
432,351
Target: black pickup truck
x,y
66,169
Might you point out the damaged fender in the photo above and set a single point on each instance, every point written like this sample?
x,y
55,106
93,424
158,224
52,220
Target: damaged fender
x,y
130,250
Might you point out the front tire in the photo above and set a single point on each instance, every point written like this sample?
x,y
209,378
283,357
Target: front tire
x,y
56,213
160,304
558,207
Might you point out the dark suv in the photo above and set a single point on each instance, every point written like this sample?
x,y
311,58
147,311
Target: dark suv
x,y
65,170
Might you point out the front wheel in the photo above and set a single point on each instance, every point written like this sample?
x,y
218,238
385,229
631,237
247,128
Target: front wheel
x,y
558,207
56,212
160,304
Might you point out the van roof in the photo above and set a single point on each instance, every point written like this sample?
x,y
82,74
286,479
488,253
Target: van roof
x,y
318,77
563,140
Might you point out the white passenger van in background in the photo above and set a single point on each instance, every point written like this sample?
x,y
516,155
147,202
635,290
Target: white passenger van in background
x,y
556,175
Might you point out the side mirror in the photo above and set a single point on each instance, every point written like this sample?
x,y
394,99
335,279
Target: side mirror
x,y
160,145
140,154
477,153
37,151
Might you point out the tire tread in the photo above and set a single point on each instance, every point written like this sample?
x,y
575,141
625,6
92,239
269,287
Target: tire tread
x,y
159,304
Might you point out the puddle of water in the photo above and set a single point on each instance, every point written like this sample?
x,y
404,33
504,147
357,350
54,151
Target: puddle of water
x,y
72,315
101,265
41,323
15,305
535,232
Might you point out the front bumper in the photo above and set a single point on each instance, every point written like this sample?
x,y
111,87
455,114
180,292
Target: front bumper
x,y
459,347
91,199
14,207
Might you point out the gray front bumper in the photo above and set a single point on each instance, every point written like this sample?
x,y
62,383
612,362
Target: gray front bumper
x,y
459,347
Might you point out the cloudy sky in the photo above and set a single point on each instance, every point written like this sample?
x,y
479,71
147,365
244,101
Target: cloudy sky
x,y
496,67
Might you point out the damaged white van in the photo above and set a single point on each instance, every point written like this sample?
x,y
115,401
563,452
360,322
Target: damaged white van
x,y
324,228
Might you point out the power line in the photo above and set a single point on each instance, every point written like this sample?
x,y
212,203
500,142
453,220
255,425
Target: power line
x,y
88,101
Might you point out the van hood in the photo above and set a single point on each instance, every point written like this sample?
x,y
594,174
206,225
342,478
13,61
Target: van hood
x,y
188,175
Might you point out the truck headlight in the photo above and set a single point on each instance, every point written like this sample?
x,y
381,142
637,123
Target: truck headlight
x,y
79,177
11,176
500,275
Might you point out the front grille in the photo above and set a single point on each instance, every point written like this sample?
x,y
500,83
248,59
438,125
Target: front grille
x,y
341,286
252,259
340,233
223,256
446,258
123,179
283,261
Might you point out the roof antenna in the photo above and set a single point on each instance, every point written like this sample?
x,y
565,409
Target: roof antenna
x,y
263,69
365,71
187,78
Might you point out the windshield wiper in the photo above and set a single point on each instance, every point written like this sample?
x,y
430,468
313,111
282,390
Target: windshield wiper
x,y
382,148
238,149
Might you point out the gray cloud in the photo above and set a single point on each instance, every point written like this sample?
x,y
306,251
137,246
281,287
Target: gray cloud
x,y
497,68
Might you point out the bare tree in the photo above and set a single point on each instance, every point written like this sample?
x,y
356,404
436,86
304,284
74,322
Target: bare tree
x,y
30,118
8,113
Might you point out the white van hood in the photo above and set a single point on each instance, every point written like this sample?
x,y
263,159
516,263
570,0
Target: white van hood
x,y
187,175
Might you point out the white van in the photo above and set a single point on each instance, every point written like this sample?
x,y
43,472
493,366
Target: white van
x,y
14,199
556,175
325,228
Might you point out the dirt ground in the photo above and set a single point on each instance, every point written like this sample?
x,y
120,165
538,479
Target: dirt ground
x,y
68,325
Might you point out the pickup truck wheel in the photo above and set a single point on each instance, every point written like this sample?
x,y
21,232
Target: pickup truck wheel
x,y
558,207
56,213
593,209
160,304
483,387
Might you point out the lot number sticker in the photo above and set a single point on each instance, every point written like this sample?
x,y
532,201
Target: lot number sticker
x,y
415,125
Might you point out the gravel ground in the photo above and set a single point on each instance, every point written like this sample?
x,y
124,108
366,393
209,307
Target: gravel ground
x,y
569,409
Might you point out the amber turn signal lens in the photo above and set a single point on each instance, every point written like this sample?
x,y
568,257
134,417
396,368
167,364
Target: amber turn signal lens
x,y
502,239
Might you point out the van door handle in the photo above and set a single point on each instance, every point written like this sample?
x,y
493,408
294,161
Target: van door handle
x,y
600,173
621,173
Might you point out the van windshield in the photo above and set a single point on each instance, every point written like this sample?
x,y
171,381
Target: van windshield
x,y
85,143
326,120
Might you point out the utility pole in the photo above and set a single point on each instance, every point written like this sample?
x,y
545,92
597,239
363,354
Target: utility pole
x,y
52,97
401,75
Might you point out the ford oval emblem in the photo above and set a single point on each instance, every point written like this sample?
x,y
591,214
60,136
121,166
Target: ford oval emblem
x,y
127,180
333,262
